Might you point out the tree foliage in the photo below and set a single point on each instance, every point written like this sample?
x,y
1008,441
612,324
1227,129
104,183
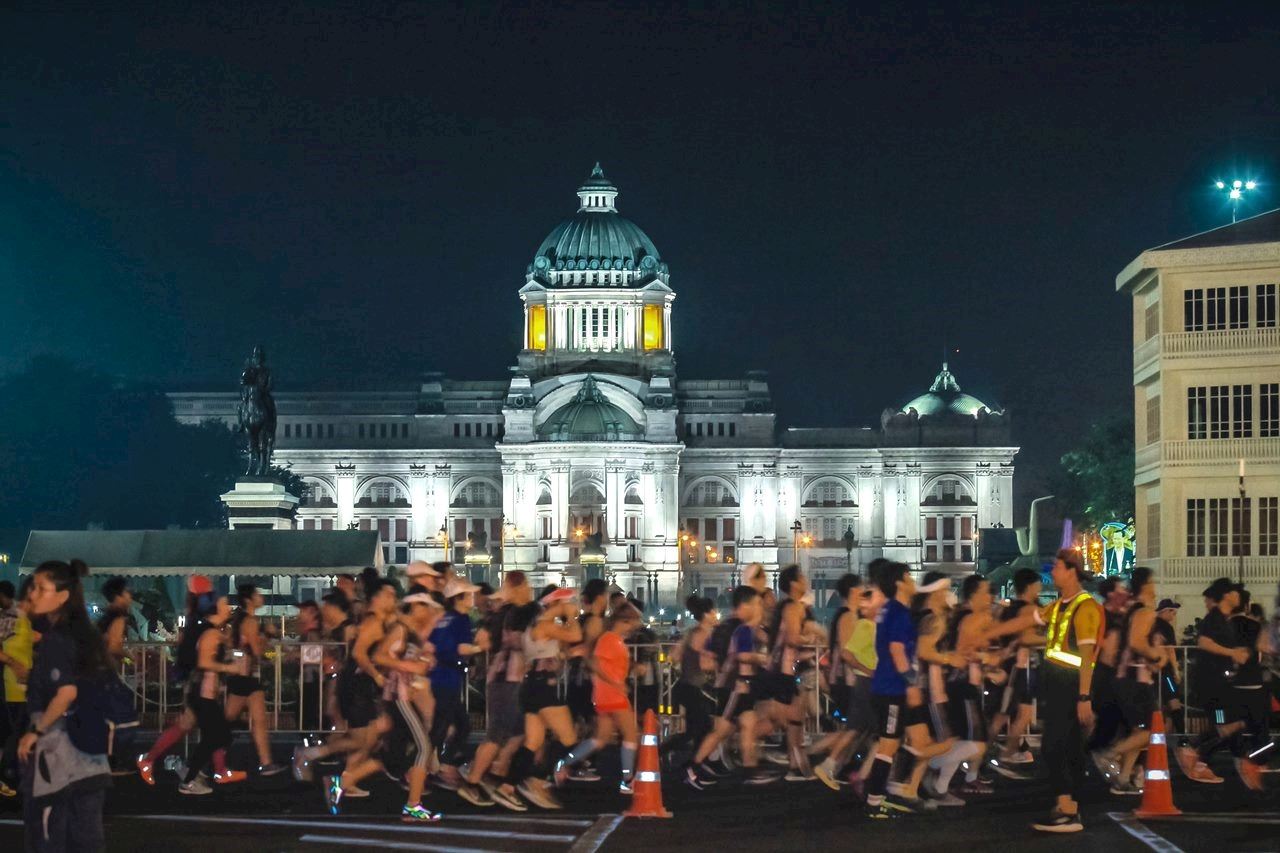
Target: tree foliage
x,y
1094,483
80,448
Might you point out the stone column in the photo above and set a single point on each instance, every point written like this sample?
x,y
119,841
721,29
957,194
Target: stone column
x,y
344,478
419,505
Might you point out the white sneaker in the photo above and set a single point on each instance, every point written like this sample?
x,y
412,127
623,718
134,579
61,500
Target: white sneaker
x,y
195,788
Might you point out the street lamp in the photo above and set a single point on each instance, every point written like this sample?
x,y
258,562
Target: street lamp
x,y
796,529
850,539
1235,191
442,536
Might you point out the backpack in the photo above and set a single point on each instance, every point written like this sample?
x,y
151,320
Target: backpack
x,y
721,635
103,720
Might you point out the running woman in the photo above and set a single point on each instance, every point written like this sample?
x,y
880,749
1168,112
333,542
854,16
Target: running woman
x,y
245,692
1221,652
842,673
780,681
1017,705
204,688
1252,700
454,645
932,610
1137,668
697,666
114,626
610,661
405,656
552,627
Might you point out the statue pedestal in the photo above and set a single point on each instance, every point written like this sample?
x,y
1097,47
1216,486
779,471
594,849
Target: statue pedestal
x,y
258,503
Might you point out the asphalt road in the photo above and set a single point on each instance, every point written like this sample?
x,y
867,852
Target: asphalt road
x,y
279,815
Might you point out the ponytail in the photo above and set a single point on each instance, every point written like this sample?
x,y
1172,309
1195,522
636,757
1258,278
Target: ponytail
x,y
73,616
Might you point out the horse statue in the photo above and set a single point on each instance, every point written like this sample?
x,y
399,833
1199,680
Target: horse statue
x,y
257,412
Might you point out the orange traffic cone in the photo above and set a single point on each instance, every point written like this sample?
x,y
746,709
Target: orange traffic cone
x,y
1157,793
646,797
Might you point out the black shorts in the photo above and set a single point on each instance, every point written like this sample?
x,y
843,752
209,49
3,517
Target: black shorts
x,y
243,685
504,717
1137,701
733,702
1020,689
891,711
578,695
860,715
940,721
777,686
966,717
359,700
539,691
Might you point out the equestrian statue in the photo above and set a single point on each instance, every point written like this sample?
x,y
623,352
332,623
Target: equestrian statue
x,y
257,413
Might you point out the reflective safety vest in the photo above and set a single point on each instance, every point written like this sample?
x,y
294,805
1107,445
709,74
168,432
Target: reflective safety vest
x,y
1060,643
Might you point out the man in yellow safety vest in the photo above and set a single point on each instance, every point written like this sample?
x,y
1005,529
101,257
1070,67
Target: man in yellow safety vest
x,y
1074,625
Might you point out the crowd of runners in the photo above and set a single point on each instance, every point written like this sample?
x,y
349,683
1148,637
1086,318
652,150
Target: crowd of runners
x,y
933,688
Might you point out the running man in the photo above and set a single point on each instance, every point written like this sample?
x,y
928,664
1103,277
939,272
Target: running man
x,y
245,692
1139,664
1017,705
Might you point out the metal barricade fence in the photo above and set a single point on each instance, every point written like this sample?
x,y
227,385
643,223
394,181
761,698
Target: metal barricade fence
x,y
299,680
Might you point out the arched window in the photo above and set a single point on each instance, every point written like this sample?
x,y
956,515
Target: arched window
x,y
477,493
383,493
315,493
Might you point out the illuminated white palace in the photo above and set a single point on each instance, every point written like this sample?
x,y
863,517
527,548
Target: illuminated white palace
x,y
595,460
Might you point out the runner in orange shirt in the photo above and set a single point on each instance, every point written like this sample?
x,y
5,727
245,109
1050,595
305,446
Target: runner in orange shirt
x,y
610,663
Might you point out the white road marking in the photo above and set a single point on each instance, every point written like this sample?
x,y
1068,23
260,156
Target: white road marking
x,y
1245,819
594,837
434,829
1135,827
347,841
11,822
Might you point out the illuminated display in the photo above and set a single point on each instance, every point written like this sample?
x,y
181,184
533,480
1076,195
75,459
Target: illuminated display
x,y
653,327
1117,547
538,327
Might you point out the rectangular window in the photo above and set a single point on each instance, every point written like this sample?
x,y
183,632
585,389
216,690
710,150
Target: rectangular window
x,y
633,527
1151,321
949,528
1219,411
931,554
466,430
330,431
1151,535
384,529
286,431
1242,411
651,327
1268,527
688,430
364,525
1241,527
711,530
1266,306
488,430
402,530
1238,307
728,532
402,555
1269,410
1197,413
931,527
308,430
360,429
382,432
1153,419
948,553
1193,310
326,524
691,528
699,428
1196,527
457,430
720,429
1217,531
966,527
1215,309
733,429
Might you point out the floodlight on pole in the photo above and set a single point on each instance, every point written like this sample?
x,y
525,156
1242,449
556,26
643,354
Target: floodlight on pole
x,y
1235,191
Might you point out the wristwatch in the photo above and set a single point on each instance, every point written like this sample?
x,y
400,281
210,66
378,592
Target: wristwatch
x,y
1084,697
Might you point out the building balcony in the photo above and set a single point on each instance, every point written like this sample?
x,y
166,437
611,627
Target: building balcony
x,y
1209,451
1183,345
1264,571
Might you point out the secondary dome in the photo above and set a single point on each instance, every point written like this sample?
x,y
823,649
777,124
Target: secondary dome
x,y
946,398
590,417
596,237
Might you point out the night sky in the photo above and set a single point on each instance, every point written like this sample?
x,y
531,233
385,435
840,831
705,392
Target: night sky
x,y
841,195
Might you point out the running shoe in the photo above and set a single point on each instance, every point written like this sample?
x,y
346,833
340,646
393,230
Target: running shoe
x,y
302,769
230,777
561,775
197,787
1250,774
1106,765
882,812
716,769
977,786
760,777
354,793
1059,822
6,791
333,793
826,777
1006,772
146,770
901,804
271,769
706,774
1125,789
417,814
510,802
948,800
1187,760
536,794
775,756
472,794
624,788
584,773
794,775
1022,757
692,779
1202,773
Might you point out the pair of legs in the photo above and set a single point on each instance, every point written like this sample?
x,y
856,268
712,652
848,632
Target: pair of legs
x,y
504,735
450,726
215,734
609,721
555,719
1062,747
408,719
255,702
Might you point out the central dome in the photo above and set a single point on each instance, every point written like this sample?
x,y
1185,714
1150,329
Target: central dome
x,y
590,417
946,398
597,237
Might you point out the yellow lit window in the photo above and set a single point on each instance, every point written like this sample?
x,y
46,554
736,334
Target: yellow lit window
x,y
653,327
538,327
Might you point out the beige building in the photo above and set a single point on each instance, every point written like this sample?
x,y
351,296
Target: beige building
x,y
1206,381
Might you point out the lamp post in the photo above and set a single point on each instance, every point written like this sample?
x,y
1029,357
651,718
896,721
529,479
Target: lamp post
x,y
796,529
1235,191
850,539
442,536
507,527
1242,545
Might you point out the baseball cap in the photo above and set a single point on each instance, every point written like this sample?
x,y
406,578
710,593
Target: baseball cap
x,y
1167,604
199,585
458,586
418,568
564,593
934,581
1220,588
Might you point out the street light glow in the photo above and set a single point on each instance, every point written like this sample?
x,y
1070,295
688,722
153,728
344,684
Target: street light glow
x,y
1221,185
1235,191
1237,184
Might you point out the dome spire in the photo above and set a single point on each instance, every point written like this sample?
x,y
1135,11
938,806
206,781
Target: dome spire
x,y
944,381
597,193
